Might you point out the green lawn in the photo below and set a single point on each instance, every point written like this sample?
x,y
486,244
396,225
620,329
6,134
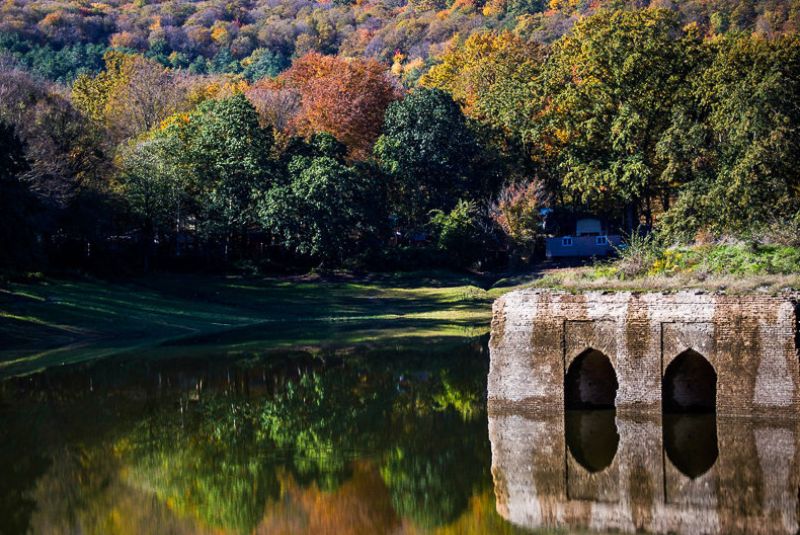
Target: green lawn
x,y
56,322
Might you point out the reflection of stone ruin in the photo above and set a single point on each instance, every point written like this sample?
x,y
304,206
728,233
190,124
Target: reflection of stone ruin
x,y
643,354
751,485
736,353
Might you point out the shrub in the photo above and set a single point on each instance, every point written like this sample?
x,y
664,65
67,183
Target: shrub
x,y
644,256
637,254
459,232
517,212
673,261
782,232
744,259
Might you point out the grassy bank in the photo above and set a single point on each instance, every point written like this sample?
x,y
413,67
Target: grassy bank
x,y
55,322
730,267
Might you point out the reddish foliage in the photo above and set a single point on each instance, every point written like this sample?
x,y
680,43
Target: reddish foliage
x,y
516,211
276,104
344,97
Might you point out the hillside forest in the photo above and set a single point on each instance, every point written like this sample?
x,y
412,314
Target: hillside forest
x,y
378,134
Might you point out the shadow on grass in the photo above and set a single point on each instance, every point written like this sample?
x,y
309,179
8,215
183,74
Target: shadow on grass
x,y
57,322
313,335
318,332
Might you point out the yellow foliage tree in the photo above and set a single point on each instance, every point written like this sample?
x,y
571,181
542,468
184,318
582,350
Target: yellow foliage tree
x,y
493,8
215,87
490,75
220,33
131,96
565,6
91,94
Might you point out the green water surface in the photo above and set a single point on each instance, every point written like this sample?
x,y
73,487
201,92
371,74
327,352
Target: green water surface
x,y
372,440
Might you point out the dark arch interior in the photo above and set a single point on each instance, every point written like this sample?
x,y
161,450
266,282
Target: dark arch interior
x,y
591,382
689,384
592,438
690,441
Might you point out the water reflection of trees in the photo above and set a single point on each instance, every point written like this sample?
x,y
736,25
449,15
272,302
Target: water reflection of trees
x,y
219,460
222,454
22,464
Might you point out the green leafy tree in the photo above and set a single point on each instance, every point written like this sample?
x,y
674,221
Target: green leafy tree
x,y
491,76
429,154
736,140
459,232
153,183
325,209
611,86
224,62
228,155
61,65
264,62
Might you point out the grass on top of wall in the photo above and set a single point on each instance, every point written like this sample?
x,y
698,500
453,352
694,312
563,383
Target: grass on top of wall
x,y
735,267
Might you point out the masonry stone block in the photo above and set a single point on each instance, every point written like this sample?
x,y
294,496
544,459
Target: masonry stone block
x,y
749,340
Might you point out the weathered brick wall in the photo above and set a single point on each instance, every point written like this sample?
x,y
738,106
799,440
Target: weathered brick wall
x,y
749,340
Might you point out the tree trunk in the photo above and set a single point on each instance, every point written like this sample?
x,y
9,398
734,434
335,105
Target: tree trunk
x,y
148,237
629,215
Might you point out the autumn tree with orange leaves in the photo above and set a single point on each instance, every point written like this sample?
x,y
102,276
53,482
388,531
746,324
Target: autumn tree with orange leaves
x,y
344,97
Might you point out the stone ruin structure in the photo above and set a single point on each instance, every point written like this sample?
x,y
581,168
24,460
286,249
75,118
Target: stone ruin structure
x,y
646,463
635,352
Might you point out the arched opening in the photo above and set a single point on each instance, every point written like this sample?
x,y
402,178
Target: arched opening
x,y
690,441
591,382
689,384
592,438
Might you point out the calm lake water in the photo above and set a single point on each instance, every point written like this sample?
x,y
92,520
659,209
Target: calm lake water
x,y
385,439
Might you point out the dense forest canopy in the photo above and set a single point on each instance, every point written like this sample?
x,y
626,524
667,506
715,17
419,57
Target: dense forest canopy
x,y
58,39
384,134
